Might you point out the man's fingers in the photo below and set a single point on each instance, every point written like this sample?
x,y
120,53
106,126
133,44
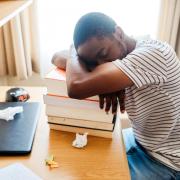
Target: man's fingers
x,y
112,99
114,104
121,98
108,104
101,101
122,104
121,95
122,107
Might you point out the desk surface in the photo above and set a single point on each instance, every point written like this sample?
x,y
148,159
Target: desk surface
x,y
100,159
9,9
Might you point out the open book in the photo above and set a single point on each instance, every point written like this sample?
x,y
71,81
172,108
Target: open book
x,y
17,171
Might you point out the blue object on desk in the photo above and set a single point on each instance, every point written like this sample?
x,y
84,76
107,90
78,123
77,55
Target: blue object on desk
x,y
16,136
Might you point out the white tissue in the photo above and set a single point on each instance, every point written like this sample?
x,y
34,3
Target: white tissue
x,y
8,113
80,141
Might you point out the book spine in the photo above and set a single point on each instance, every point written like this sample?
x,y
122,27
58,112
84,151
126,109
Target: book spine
x,y
105,130
69,102
99,133
76,113
81,123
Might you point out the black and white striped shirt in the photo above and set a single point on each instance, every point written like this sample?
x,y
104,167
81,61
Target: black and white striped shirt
x,y
153,102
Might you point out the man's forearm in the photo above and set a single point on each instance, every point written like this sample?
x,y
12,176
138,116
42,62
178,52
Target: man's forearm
x,y
75,72
103,79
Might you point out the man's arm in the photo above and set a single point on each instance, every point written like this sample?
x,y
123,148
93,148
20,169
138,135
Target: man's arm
x,y
105,78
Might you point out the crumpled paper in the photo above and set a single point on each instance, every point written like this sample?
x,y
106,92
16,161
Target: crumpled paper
x,y
80,141
9,113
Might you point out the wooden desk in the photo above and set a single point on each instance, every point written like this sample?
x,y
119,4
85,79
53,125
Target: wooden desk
x,y
9,9
100,159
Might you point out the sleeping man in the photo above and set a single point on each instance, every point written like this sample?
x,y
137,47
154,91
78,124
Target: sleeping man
x,y
143,76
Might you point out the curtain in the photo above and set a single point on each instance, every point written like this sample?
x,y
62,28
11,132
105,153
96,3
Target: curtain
x,y
169,23
19,45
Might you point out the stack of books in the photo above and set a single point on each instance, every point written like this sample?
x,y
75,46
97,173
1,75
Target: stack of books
x,y
72,115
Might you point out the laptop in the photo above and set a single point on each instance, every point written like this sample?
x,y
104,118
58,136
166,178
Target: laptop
x,y
16,136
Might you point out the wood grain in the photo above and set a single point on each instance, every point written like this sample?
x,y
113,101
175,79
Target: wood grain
x,y
100,159
9,9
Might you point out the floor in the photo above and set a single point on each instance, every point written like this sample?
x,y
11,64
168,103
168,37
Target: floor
x,y
34,80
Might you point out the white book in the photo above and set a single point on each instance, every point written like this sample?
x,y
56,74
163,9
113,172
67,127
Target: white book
x,y
79,113
84,104
93,132
17,171
81,123
55,82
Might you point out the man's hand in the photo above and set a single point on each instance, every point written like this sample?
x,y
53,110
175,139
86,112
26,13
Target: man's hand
x,y
111,101
60,59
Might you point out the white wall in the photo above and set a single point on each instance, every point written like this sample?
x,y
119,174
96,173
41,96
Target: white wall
x,y
57,19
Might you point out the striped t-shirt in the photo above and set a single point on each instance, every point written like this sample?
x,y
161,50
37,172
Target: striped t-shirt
x,y
153,102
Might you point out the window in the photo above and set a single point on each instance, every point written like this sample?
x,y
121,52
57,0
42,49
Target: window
x,y
57,19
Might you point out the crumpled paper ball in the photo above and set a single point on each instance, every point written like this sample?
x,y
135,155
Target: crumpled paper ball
x,y
80,141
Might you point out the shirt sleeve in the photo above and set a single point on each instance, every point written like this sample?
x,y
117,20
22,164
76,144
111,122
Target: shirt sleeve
x,y
144,67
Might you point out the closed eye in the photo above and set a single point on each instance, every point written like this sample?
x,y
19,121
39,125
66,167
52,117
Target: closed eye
x,y
103,56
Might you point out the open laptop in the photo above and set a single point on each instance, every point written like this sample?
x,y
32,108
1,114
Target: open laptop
x,y
16,136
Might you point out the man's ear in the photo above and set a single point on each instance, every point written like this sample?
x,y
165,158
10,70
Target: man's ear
x,y
119,34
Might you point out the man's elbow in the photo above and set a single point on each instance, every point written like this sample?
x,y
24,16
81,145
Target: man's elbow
x,y
74,91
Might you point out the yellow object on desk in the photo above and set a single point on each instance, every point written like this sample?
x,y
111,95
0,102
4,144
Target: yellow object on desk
x,y
51,163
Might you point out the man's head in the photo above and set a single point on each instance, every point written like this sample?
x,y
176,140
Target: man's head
x,y
98,39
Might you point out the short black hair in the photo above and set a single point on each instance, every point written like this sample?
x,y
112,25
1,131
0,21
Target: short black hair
x,y
94,24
